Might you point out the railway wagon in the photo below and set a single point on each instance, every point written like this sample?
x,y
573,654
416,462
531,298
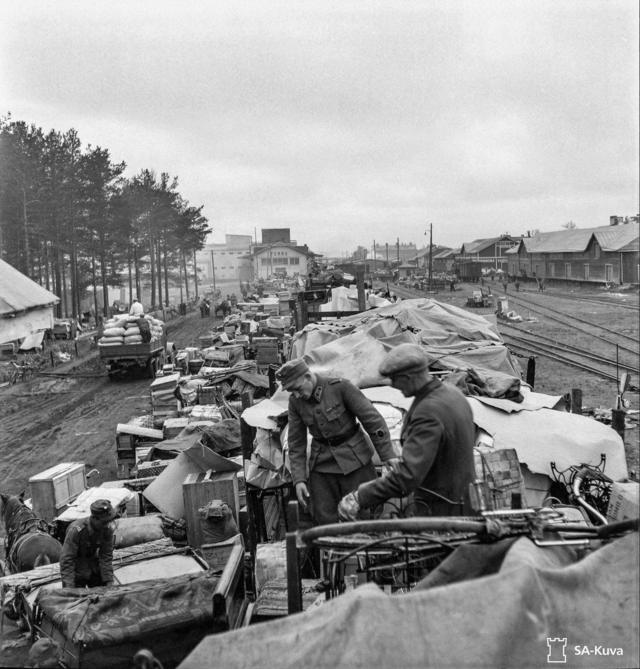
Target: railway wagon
x,y
468,271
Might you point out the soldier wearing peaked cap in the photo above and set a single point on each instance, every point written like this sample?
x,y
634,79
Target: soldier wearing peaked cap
x,y
438,434
87,552
340,457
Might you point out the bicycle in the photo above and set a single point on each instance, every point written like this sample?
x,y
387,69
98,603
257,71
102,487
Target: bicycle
x,y
396,554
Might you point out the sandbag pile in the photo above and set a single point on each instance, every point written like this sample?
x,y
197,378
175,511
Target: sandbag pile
x,y
125,329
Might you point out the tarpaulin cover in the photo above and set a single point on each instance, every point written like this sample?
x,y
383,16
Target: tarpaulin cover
x,y
545,436
507,617
354,347
113,615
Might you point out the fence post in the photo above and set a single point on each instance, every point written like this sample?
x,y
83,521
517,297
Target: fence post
x,y
617,421
531,371
576,400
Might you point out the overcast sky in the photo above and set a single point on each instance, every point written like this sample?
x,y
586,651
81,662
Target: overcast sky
x,y
347,122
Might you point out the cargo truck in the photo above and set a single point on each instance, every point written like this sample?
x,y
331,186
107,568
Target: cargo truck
x,y
147,357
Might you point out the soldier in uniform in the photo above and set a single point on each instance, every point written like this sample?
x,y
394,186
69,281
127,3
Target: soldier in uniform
x,y
87,553
438,435
340,457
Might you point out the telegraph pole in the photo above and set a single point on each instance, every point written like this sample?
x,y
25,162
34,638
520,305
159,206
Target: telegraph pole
x,y
213,272
430,254
375,258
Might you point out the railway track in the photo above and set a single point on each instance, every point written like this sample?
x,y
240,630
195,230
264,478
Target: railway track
x,y
573,297
543,352
565,353
559,316
539,339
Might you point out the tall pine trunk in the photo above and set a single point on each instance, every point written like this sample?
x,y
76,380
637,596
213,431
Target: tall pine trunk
x,y
185,274
166,274
195,274
130,274
63,286
152,269
103,280
94,285
159,274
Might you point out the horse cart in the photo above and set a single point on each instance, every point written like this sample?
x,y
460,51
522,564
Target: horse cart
x,y
147,357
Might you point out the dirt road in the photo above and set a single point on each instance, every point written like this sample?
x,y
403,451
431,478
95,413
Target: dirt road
x,y
72,416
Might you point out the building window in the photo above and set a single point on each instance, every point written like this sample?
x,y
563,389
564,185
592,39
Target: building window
x,y
294,261
567,270
552,269
608,272
585,269
596,251
264,261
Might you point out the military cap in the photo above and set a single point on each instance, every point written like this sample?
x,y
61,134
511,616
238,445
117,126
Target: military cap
x,y
291,371
404,359
102,508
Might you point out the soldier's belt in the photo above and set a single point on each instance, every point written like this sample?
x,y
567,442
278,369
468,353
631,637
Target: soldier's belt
x,y
340,439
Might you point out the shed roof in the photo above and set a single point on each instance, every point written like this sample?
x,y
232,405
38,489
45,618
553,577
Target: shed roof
x,y
478,245
447,253
19,293
609,237
617,237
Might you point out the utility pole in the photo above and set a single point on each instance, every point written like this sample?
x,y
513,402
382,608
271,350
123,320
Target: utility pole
x,y
213,272
386,245
375,257
430,254
398,250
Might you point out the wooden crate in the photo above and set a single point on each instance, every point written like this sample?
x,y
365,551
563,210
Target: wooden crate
x,y
200,489
55,488
500,470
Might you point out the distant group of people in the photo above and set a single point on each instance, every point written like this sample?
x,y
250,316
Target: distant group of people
x,y
205,307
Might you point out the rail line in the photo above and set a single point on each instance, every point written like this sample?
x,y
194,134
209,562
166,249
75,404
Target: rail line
x,y
529,348
547,344
579,298
565,318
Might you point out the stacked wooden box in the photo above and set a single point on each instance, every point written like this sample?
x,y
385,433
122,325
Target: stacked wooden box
x,y
163,400
267,351
55,488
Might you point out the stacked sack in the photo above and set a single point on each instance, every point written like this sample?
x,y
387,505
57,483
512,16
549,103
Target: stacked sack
x,y
125,329
114,330
132,331
157,326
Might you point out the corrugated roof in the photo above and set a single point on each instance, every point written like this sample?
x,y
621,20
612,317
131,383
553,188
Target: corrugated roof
x,y
19,293
633,246
610,238
478,245
616,237
447,253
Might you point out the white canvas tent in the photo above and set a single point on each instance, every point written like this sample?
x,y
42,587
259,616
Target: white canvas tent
x,y
25,306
